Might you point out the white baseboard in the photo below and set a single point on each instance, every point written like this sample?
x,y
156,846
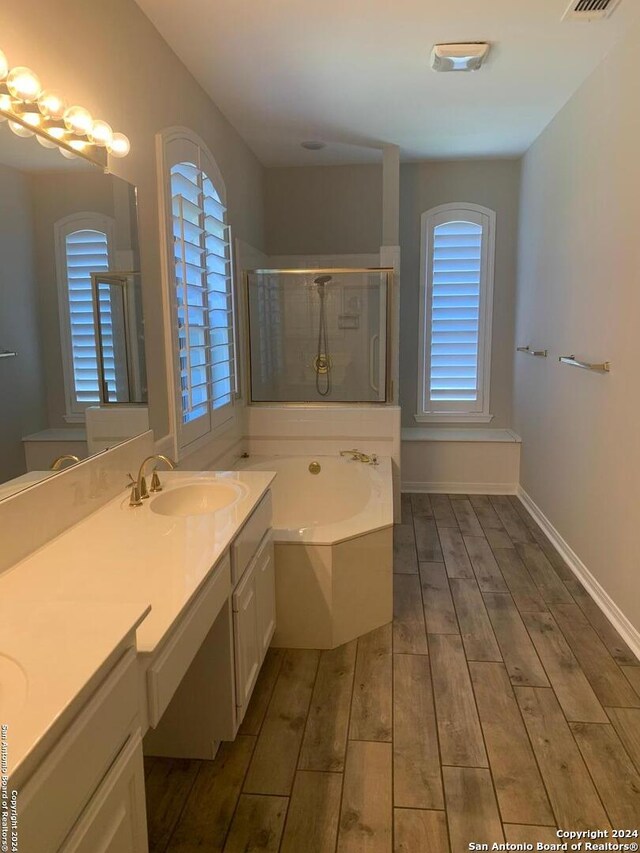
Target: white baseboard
x,y
460,488
623,626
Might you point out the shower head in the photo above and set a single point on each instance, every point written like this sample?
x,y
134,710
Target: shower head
x,y
322,279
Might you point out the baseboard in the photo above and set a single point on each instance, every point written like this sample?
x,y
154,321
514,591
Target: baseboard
x,y
623,626
460,488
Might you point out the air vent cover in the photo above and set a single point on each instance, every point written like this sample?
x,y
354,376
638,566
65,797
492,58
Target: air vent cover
x,y
589,10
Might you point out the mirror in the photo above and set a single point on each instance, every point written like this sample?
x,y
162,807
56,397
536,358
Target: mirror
x,y
72,365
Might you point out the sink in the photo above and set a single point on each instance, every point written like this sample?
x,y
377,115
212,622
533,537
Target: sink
x,y
196,499
13,688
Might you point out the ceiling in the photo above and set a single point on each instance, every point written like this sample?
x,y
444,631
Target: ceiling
x,y
355,73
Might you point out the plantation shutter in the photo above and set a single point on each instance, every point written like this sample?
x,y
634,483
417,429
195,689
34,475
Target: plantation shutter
x,y
455,311
203,299
86,252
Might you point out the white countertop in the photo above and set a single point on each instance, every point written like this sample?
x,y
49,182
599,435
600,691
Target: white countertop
x,y
70,601
50,651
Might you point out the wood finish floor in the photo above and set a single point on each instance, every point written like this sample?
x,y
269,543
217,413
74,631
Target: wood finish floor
x,y
499,705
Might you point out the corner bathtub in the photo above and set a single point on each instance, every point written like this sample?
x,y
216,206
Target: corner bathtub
x,y
333,535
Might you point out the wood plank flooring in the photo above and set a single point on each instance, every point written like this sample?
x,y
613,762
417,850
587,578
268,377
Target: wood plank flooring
x,y
500,705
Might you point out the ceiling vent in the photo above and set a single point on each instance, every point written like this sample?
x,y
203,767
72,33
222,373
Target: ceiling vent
x,y
589,10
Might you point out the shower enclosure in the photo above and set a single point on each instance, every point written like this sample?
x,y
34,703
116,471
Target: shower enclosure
x,y
318,335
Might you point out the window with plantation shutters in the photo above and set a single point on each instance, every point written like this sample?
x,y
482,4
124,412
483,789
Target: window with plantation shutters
x,y
455,316
201,291
84,247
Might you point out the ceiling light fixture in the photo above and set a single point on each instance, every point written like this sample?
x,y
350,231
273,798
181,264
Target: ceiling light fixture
x,y
32,111
459,57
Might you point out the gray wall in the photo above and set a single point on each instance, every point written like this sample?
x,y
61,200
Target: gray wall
x,y
323,210
338,210
579,293
494,184
22,398
117,65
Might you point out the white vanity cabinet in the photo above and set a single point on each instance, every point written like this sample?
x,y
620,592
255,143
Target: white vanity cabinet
x,y
88,793
253,600
254,620
115,819
198,682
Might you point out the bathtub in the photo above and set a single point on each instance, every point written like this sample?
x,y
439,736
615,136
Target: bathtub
x,y
333,535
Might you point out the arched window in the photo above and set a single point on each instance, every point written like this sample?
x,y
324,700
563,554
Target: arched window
x,y
201,292
456,306
84,246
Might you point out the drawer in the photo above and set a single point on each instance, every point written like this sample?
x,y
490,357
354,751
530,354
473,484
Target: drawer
x,y
246,542
53,798
168,668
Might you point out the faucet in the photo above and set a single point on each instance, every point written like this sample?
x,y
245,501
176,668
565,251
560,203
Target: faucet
x,y
59,463
358,456
139,491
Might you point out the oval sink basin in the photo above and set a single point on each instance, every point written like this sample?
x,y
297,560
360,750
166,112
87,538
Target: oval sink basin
x,y
196,499
13,688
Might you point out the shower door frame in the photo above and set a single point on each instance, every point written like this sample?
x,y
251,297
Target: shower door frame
x,y
317,271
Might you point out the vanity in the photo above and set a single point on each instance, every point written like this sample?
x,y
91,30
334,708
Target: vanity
x,y
124,629
162,632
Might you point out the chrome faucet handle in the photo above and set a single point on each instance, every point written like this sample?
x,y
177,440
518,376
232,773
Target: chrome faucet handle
x,y
156,485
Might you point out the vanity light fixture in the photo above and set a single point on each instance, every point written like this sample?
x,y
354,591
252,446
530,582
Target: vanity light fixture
x,y
32,111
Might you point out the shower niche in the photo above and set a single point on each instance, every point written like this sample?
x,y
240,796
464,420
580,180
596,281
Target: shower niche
x,y
318,336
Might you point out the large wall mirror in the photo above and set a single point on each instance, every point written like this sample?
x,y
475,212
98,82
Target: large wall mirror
x,y
72,369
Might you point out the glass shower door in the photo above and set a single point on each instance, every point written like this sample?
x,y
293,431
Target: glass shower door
x,y
318,335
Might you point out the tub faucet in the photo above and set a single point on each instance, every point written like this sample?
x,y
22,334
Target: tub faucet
x,y
139,491
358,456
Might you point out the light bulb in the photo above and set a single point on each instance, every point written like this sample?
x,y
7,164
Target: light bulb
x,y
51,105
57,132
46,143
5,104
4,66
77,144
23,84
19,130
101,133
120,145
78,120
32,119
68,154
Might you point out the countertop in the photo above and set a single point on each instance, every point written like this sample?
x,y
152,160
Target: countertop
x,y
66,606
49,652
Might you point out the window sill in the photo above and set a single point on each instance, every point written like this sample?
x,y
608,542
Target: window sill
x,y
451,434
453,418
75,418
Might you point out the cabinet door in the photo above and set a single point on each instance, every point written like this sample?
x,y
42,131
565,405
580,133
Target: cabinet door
x,y
266,596
247,642
115,818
